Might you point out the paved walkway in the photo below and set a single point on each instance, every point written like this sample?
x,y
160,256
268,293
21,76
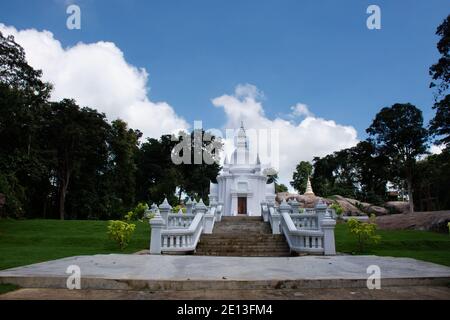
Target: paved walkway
x,y
147,272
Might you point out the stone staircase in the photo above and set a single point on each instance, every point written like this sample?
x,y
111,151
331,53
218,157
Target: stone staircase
x,y
242,236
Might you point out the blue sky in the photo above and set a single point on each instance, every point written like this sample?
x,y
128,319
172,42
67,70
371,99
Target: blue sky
x,y
315,52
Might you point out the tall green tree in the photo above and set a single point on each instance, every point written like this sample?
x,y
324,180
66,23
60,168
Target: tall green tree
x,y
156,177
280,188
370,168
440,73
123,147
300,176
74,134
24,168
398,133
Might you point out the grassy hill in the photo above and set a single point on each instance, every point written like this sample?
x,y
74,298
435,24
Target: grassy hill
x,y
24,242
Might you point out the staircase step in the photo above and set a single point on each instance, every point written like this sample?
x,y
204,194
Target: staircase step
x,y
243,236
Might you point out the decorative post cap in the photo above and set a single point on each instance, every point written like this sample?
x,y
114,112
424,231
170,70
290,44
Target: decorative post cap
x,y
201,206
321,205
284,206
157,220
180,211
165,205
189,202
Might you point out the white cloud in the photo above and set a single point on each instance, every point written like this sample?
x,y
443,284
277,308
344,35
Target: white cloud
x,y
97,75
434,149
298,140
301,110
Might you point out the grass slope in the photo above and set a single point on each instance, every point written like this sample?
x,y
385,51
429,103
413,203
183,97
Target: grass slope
x,y
30,241
422,245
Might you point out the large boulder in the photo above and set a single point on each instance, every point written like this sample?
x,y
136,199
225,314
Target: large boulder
x,y
306,201
397,206
433,221
349,208
368,208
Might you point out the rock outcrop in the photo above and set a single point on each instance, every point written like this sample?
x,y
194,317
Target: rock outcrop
x,y
351,207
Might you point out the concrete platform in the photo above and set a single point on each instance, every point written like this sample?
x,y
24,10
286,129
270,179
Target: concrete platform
x,y
156,273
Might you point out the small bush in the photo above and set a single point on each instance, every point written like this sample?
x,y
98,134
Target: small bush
x,y
337,208
137,213
364,231
178,207
121,232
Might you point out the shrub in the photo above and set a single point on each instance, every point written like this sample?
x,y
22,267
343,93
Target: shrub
x,y
121,232
137,213
364,232
337,208
178,207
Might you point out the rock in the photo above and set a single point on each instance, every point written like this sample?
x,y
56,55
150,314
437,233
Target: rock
x,y
397,206
306,201
430,221
376,210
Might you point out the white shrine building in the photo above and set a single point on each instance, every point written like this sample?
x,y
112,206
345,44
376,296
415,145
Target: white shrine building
x,y
241,186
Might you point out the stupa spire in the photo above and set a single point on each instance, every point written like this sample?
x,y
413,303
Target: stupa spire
x,y
309,190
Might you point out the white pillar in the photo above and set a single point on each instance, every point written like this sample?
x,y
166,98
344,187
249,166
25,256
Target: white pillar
x,y
327,225
164,209
156,224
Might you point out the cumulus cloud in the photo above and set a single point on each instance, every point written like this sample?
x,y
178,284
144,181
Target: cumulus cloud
x,y
301,110
298,139
97,75
434,149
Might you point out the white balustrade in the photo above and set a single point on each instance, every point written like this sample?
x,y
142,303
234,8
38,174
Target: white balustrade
x,y
311,231
177,232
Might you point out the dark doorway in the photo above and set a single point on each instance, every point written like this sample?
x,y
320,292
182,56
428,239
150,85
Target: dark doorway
x,y
242,205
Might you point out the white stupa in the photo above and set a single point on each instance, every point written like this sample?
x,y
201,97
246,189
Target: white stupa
x,y
241,186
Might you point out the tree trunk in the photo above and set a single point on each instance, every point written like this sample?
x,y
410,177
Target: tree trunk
x,y
410,194
63,184
62,199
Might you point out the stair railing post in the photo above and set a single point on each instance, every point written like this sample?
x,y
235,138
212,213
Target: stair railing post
x,y
156,225
165,209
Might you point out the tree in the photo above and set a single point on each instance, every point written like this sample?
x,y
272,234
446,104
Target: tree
x,y
398,133
280,188
440,124
23,163
194,178
432,181
123,146
371,172
74,134
300,177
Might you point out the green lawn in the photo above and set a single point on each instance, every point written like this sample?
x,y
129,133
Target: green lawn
x,y
422,245
29,241
24,242
4,288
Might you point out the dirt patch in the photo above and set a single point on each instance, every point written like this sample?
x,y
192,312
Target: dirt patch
x,y
389,293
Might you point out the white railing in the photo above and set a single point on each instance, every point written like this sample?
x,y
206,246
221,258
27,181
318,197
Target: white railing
x,y
300,239
185,239
311,231
305,221
179,220
171,232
